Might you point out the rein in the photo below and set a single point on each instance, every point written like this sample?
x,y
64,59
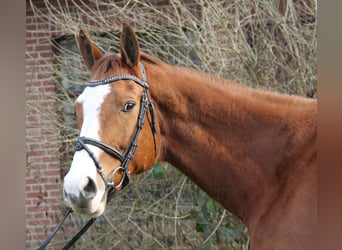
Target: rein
x,y
124,158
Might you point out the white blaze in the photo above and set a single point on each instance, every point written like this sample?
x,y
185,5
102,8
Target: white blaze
x,y
82,165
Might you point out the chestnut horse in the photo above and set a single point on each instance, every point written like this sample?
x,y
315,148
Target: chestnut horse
x,y
253,151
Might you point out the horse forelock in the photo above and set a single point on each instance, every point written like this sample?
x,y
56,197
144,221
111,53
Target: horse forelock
x,y
112,64
104,66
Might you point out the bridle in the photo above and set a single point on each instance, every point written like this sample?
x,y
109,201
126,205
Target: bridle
x,y
124,158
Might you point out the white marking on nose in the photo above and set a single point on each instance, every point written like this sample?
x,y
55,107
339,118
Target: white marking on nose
x,y
82,167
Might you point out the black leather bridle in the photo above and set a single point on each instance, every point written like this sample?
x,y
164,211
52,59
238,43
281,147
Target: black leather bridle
x,y
124,158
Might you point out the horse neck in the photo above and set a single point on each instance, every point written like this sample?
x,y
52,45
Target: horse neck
x,y
230,141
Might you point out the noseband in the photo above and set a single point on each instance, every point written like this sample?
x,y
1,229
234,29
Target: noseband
x,y
125,157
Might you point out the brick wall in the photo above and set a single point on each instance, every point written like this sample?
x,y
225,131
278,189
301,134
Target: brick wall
x,y
43,182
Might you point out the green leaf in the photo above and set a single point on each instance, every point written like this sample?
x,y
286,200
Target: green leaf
x,y
212,205
157,171
231,233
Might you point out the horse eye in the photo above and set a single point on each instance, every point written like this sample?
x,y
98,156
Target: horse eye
x,y
128,106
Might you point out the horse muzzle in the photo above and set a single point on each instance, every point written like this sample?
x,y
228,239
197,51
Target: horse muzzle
x,y
84,197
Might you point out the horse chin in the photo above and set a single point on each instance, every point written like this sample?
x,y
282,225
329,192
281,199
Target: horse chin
x,y
91,211
93,208
96,212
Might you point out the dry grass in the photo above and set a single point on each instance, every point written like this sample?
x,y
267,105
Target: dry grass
x,y
248,41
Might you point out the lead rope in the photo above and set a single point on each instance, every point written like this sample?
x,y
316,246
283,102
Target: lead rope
x,y
72,242
47,241
79,234
74,239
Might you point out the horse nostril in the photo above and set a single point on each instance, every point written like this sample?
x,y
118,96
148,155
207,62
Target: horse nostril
x,y
89,189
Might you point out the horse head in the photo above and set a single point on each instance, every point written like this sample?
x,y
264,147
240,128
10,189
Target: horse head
x,y
115,117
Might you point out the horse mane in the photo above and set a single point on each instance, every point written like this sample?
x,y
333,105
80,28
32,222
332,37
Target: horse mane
x,y
229,85
113,61
151,59
110,61
105,64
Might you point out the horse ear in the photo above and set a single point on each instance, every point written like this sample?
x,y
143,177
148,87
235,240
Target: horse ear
x,y
129,46
89,51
